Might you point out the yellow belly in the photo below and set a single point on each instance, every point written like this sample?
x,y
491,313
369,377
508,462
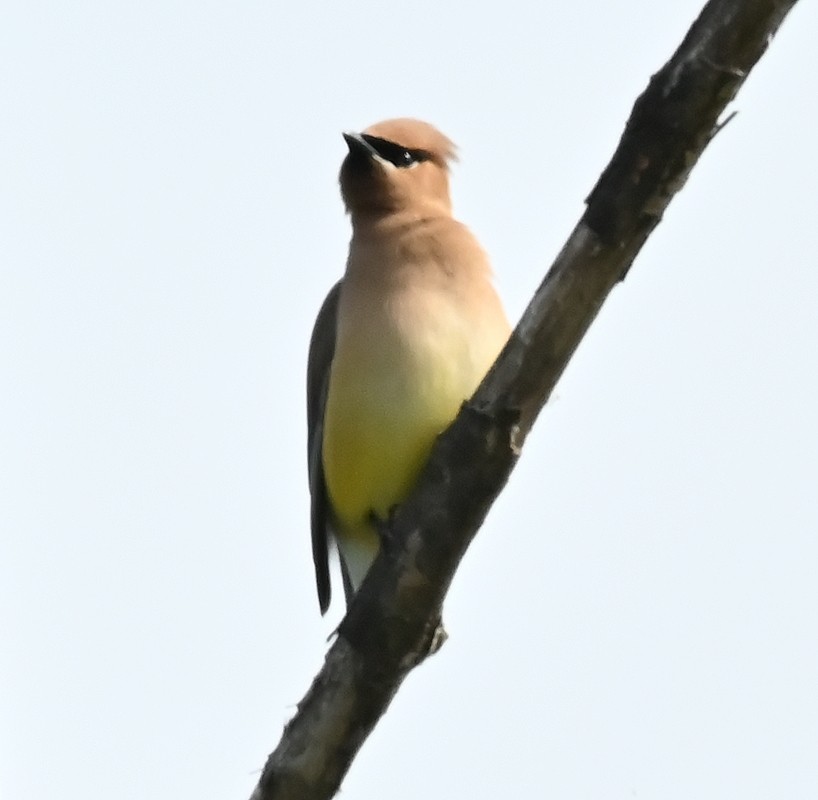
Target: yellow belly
x,y
400,373
379,429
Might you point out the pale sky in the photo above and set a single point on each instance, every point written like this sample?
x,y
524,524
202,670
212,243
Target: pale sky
x,y
637,618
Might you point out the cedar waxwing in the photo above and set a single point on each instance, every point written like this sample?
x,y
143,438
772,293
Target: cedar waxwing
x,y
401,341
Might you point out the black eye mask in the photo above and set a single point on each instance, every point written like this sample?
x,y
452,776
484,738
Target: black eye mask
x,y
394,153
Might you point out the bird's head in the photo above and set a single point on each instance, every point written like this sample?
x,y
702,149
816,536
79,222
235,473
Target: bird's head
x,y
397,165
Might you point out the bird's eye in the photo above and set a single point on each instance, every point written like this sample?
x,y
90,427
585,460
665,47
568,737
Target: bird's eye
x,y
395,153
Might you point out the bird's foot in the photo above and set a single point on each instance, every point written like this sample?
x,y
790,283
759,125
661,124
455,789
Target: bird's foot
x,y
383,527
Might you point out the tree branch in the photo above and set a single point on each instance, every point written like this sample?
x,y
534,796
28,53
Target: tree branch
x,y
390,623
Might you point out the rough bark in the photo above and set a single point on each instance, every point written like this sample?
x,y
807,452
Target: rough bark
x,y
392,621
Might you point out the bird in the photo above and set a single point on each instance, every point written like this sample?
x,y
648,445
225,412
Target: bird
x,y
400,342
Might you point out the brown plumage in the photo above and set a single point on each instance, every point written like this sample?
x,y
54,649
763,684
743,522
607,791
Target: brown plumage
x,y
400,342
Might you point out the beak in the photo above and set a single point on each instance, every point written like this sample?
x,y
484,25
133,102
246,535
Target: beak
x,y
358,146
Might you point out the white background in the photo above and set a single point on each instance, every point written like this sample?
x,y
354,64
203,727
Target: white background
x,y
637,619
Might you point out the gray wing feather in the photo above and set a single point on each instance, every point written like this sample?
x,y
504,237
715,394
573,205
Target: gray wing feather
x,y
322,349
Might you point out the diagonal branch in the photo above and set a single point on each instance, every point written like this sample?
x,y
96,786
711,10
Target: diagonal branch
x,y
390,623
